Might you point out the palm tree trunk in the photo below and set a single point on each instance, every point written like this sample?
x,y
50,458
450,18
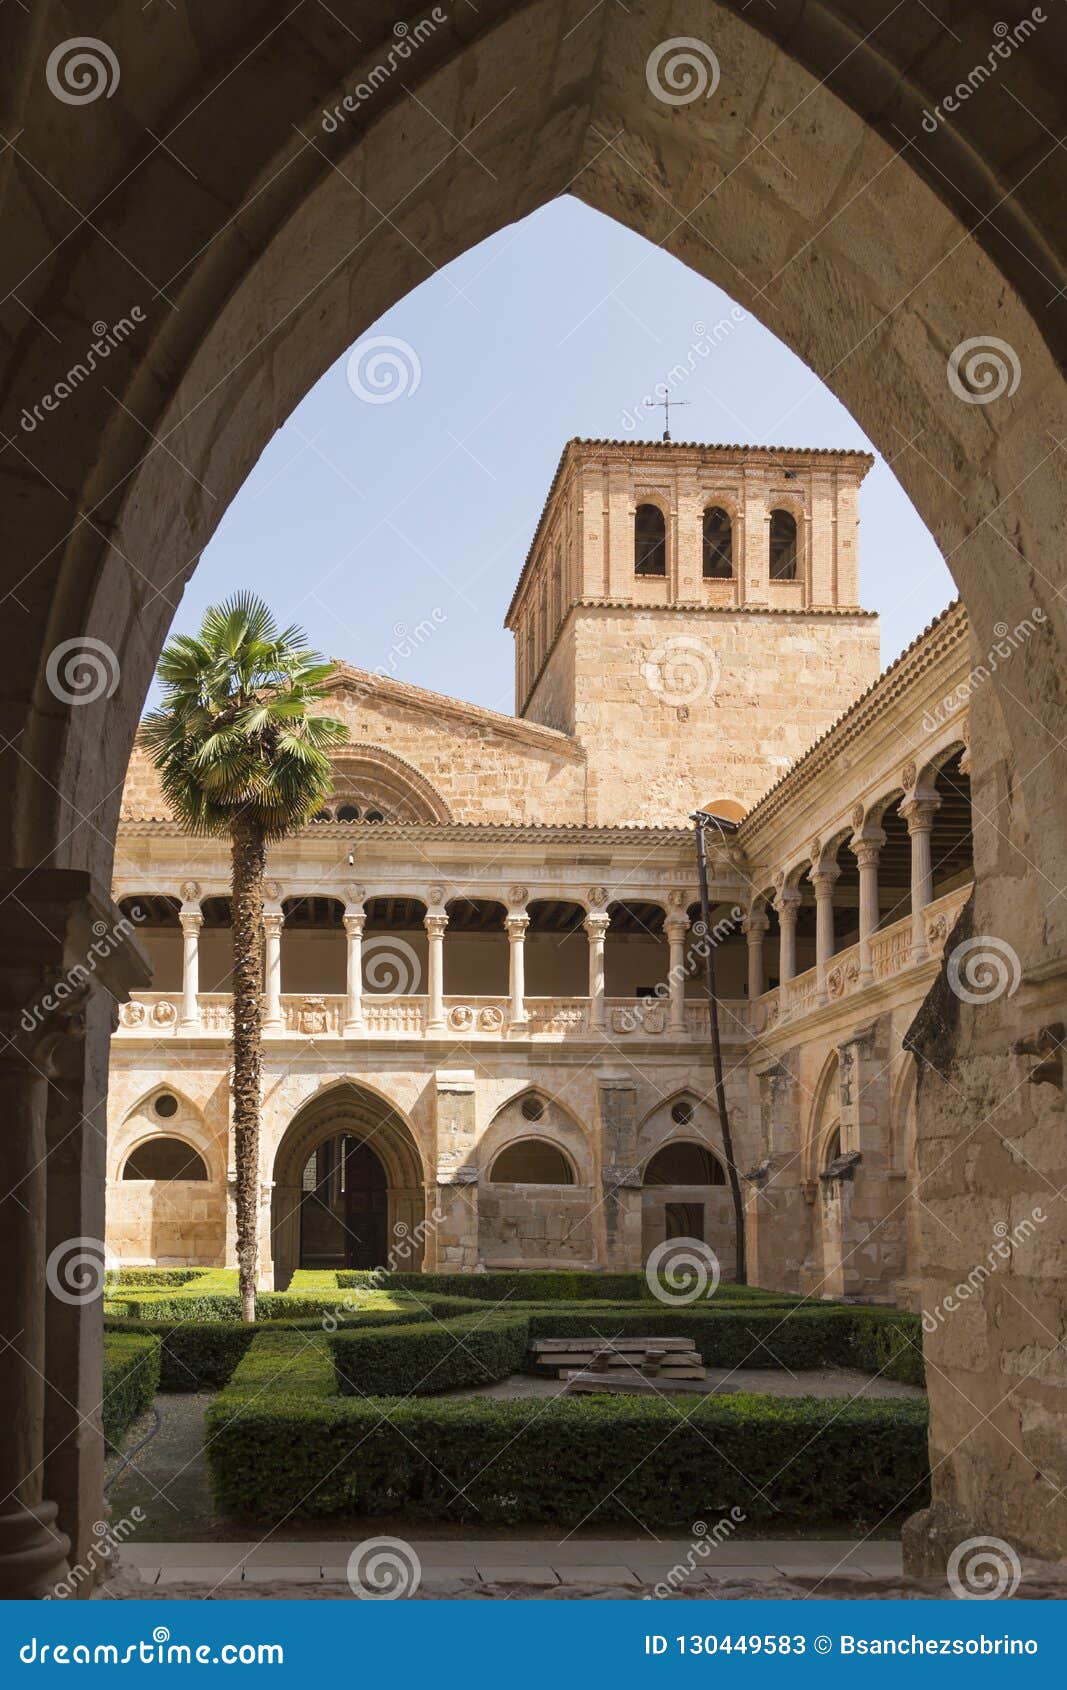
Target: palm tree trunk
x,y
248,863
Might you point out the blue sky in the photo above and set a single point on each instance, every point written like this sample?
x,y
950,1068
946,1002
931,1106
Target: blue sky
x,y
366,521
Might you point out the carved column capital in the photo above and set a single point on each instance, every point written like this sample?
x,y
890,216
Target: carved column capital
x,y
919,811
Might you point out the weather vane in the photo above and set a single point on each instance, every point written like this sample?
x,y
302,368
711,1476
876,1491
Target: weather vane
x,y
664,405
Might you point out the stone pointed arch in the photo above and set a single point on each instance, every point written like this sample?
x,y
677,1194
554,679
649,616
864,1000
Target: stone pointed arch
x,y
349,1107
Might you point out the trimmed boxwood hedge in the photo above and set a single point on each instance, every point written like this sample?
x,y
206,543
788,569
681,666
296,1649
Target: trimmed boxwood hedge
x,y
563,1285
883,1341
131,1379
281,1442
431,1356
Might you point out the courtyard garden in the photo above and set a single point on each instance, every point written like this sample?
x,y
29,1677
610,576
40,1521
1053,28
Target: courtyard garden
x,y
414,1398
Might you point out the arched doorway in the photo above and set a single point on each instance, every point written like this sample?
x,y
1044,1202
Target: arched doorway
x,y
685,1195
343,1206
888,264
348,1187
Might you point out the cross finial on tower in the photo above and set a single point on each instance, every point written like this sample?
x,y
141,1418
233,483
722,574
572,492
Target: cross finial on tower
x,y
664,405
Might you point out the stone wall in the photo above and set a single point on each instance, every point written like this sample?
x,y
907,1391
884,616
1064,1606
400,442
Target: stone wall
x,y
993,1166
676,708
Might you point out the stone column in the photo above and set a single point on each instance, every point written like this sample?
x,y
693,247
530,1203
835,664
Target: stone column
x,y
824,880
596,926
755,927
866,852
787,903
66,957
452,1240
191,922
918,811
620,1210
33,1550
677,928
273,921
517,925
435,922
355,921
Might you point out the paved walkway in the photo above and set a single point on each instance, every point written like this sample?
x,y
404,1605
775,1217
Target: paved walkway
x,y
620,1564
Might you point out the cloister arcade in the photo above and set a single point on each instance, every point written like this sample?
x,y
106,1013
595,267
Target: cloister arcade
x,y
875,249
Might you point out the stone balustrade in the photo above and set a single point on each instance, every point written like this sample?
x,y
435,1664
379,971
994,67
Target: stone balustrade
x,y
892,951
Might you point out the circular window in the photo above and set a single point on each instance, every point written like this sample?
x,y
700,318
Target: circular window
x,y
166,1105
682,1114
348,813
532,1108
374,816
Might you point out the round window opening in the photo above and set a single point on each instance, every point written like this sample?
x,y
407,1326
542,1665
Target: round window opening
x,y
532,1108
166,1105
682,1114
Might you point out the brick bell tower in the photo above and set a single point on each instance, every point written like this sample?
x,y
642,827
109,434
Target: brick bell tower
x,y
691,614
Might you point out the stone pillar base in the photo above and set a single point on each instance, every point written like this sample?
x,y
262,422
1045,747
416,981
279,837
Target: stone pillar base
x,y
929,1537
33,1552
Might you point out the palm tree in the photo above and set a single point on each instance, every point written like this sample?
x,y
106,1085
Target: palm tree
x,y
240,751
